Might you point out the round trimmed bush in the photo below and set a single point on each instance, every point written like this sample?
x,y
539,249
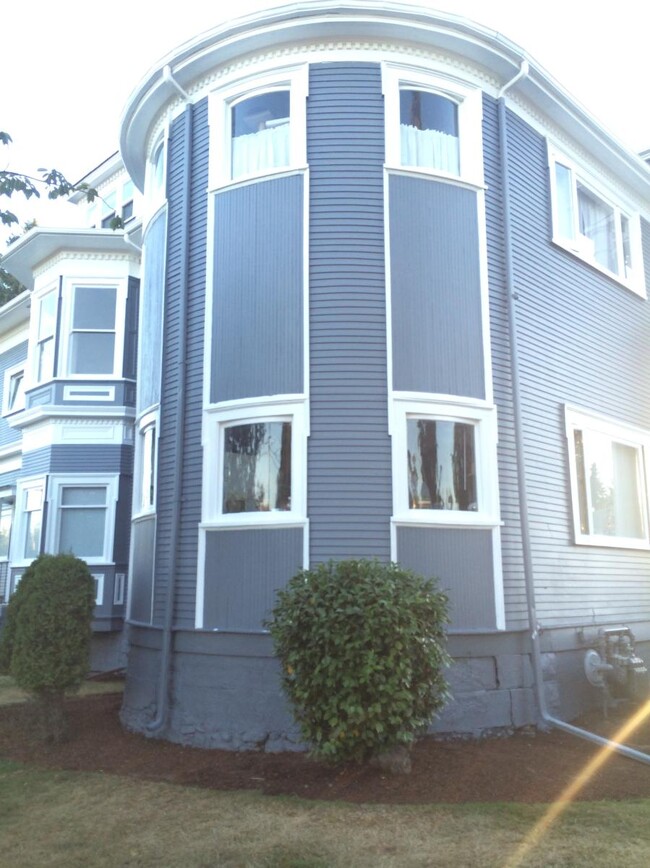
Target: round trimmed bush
x,y
45,643
362,648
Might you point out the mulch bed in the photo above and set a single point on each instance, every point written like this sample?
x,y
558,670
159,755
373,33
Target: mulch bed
x,y
522,768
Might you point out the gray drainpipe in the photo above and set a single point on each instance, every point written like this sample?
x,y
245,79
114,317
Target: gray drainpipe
x,y
168,624
521,464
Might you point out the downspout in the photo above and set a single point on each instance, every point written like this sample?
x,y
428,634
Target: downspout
x,y
160,720
529,579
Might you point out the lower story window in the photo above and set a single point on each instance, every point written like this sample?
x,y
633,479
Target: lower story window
x,y
83,517
441,464
608,480
257,467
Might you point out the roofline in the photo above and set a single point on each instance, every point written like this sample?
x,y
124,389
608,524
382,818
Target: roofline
x,y
366,19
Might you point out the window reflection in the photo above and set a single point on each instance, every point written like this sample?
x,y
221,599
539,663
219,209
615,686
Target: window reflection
x,y
441,465
257,467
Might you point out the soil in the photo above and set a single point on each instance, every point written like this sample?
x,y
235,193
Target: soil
x,y
525,767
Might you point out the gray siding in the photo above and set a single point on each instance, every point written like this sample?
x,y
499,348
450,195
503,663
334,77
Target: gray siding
x,y
79,458
349,480
243,570
461,560
151,313
257,328
435,288
190,391
143,535
131,328
583,341
12,357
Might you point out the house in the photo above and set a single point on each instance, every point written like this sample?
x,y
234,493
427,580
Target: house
x,y
393,304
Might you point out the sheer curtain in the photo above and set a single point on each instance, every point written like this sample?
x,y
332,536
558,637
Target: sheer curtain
x,y
266,149
597,224
430,149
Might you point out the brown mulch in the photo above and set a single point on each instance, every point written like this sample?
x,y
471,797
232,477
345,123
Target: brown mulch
x,y
521,768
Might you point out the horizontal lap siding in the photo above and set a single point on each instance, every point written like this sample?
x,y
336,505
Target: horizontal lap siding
x,y
191,393
583,341
349,480
80,458
512,558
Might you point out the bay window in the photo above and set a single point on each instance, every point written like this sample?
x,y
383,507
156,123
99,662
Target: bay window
x,y
92,341
13,396
607,464
46,319
82,516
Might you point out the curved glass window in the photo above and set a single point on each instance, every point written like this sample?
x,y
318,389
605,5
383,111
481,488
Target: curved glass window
x,y
260,128
429,131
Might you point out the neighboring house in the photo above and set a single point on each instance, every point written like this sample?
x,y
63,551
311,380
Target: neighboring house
x,y
393,305
68,356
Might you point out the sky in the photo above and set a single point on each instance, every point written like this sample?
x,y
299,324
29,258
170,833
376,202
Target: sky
x,y
68,67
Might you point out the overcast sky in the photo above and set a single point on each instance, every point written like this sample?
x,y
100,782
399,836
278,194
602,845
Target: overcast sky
x,y
68,67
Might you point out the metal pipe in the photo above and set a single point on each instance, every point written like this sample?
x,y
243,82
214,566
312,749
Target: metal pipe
x,y
529,580
179,429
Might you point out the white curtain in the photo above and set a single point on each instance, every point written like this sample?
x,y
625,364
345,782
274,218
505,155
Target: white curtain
x,y
597,224
266,149
430,149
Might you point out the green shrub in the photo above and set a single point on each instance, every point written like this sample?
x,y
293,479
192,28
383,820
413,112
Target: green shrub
x,y
361,645
45,643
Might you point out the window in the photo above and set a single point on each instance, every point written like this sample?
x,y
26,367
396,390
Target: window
x,y
607,464
433,124
444,462
46,331
6,522
255,464
257,127
145,494
13,397
83,517
92,341
592,227
30,500
109,204
155,183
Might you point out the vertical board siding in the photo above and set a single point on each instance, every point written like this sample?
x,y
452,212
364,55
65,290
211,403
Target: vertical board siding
x,y
151,313
243,571
190,393
435,288
257,346
349,477
460,559
582,341
12,357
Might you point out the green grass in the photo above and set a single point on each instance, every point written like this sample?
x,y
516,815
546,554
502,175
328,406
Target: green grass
x,y
10,693
74,819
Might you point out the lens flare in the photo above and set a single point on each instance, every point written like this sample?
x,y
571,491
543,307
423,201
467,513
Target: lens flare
x,y
569,793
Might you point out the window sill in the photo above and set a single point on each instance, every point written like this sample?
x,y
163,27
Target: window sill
x,y
635,287
445,518
613,542
435,175
254,521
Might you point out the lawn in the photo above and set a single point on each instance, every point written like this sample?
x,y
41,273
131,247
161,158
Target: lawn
x,y
10,693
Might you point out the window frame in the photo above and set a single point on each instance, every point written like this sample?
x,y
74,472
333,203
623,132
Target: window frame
x,y
67,329
482,417
635,280
294,79
37,341
21,521
8,499
469,99
19,402
618,432
217,420
149,422
57,484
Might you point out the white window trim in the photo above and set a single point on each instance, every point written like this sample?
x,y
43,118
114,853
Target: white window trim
x,y
581,420
119,586
292,78
65,330
7,495
479,414
470,114
99,588
216,420
56,484
636,281
147,421
31,366
155,196
17,544
9,375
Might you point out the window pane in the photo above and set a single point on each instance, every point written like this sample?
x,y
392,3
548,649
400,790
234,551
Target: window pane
x,y
564,201
82,531
429,131
614,488
627,246
257,467
597,228
45,359
92,353
16,396
260,133
94,307
441,465
148,467
47,318
6,519
33,534
158,162
83,496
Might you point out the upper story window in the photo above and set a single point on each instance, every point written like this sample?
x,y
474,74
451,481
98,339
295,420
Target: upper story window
x,y
444,462
433,124
46,317
607,463
13,396
257,126
92,335
589,224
